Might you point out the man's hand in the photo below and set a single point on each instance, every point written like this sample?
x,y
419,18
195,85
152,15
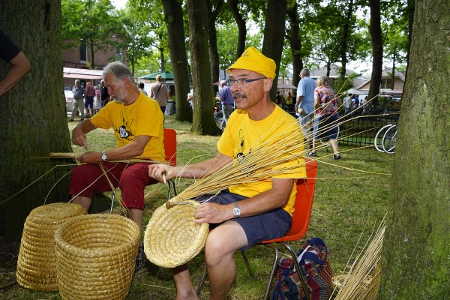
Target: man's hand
x,y
78,137
161,172
213,213
90,157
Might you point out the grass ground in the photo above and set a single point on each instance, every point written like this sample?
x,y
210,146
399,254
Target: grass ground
x,y
347,206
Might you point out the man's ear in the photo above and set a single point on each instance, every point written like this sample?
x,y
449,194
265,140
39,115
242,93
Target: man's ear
x,y
268,84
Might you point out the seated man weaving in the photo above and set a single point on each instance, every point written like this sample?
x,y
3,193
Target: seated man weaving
x,y
138,127
247,213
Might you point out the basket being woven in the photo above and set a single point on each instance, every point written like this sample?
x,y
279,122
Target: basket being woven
x,y
96,256
36,264
172,238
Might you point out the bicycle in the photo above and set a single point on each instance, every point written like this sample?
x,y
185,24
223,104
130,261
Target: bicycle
x,y
386,138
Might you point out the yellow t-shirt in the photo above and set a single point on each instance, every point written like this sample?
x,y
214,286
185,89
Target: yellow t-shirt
x,y
142,117
242,134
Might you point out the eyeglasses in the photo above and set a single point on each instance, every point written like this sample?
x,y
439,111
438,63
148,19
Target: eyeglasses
x,y
242,81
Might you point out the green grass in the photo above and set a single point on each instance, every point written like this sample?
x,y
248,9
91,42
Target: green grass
x,y
347,206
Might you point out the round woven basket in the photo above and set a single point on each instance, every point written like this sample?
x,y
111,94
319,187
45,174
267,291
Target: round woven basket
x,y
95,256
36,265
172,238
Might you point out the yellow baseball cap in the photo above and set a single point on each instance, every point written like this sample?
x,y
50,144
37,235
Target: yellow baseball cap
x,y
255,61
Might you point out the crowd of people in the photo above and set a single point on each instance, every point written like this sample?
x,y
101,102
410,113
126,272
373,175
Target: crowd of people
x,y
84,98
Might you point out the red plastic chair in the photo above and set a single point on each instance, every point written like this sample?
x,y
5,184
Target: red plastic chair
x,y
170,145
299,226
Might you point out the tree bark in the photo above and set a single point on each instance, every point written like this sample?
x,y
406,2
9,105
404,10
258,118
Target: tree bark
x,y
213,52
346,33
274,31
162,59
242,28
295,42
203,122
33,121
377,50
415,255
174,19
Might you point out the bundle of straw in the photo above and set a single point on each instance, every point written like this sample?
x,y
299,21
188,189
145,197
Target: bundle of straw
x,y
261,164
363,278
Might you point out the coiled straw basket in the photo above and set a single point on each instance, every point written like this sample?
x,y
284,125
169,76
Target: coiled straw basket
x,y
36,265
172,238
96,256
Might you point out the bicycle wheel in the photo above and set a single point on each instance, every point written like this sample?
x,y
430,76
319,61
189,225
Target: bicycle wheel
x,y
389,139
378,140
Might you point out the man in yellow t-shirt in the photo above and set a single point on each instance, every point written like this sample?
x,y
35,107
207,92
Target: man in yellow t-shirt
x,y
138,128
246,213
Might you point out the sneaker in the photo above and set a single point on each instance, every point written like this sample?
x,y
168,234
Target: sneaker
x,y
337,156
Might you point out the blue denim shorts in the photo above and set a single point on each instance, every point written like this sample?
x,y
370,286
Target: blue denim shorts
x,y
265,226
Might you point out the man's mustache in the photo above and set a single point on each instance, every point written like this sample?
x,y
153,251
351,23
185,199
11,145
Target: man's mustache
x,y
239,95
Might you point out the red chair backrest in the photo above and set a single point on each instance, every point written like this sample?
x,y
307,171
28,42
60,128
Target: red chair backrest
x,y
303,205
170,145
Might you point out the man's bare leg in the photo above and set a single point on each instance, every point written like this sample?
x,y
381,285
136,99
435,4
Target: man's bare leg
x,y
83,201
221,244
183,283
136,216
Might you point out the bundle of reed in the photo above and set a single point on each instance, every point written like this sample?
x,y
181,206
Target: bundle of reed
x,y
363,279
262,163
36,265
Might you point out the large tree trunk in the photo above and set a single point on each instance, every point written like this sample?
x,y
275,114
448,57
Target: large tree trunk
x,y
91,43
33,121
174,19
415,255
203,122
274,30
346,33
213,52
295,42
377,50
242,28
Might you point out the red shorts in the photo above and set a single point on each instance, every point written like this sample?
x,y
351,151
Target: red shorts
x,y
89,179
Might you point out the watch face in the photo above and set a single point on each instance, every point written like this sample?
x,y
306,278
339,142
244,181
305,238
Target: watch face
x,y
104,156
236,211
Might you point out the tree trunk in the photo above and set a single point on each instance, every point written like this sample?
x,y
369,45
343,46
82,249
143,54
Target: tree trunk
x,y
295,42
92,54
33,121
203,122
213,52
415,255
410,25
242,28
162,59
328,68
274,30
377,50
346,33
393,69
174,19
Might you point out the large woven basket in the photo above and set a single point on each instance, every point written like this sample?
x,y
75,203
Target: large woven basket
x,y
36,265
172,238
96,256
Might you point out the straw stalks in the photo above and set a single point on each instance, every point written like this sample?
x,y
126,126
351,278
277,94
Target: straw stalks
x,y
363,279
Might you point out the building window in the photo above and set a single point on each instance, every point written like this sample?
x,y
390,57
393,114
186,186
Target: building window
x,y
83,51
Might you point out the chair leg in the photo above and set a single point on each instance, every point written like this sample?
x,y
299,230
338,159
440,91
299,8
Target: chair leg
x,y
302,277
247,264
202,280
272,273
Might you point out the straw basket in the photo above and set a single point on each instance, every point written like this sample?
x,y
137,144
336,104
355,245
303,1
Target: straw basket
x,y
172,238
96,256
36,265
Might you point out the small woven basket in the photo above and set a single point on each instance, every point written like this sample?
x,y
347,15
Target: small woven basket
x,y
96,256
36,265
172,238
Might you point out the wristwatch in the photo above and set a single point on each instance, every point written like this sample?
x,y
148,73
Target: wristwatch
x,y
104,156
236,211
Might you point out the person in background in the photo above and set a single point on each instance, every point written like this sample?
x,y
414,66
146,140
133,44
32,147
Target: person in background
x,y
20,65
89,94
160,93
226,98
104,95
97,101
326,104
78,105
141,88
304,106
347,103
